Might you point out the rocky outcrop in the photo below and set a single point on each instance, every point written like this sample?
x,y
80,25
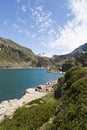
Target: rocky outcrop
x,y
48,87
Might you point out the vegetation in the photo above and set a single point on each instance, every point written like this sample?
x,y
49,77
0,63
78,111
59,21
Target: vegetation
x,y
68,65
83,60
78,57
79,61
73,112
66,108
32,115
67,113
44,62
11,54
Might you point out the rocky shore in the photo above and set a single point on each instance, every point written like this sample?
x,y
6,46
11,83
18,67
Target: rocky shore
x,y
8,107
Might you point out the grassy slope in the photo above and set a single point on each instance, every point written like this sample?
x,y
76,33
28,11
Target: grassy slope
x,y
32,115
11,52
73,113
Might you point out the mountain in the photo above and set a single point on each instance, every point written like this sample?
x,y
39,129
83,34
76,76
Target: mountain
x,y
79,61
13,55
67,61
80,50
83,60
74,54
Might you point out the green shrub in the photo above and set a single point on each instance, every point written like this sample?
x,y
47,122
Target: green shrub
x,y
73,113
32,115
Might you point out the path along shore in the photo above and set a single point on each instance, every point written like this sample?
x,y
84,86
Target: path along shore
x,y
8,107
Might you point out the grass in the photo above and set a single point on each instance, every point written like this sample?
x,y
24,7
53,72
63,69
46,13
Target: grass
x,y
73,113
32,115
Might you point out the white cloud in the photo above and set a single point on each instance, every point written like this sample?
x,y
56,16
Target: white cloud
x,y
36,18
24,8
41,20
6,22
16,26
24,31
18,1
40,8
74,32
21,30
21,20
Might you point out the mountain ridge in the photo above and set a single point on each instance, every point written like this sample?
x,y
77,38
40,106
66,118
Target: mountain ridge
x,y
13,55
60,59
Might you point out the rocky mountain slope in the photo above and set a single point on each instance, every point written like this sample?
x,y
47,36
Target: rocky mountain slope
x,y
79,51
78,57
81,60
74,54
14,55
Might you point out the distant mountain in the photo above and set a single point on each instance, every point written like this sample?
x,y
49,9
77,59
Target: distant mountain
x,y
79,51
14,55
60,59
78,58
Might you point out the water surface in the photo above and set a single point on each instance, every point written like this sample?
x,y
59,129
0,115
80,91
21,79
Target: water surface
x,y
13,82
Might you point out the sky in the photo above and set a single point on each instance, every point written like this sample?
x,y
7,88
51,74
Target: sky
x,y
48,27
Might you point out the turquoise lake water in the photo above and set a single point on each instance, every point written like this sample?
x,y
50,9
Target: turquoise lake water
x,y
13,82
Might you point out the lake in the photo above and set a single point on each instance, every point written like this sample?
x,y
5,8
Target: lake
x,y
13,82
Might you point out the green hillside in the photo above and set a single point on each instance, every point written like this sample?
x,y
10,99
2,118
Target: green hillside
x,y
72,92
15,55
32,115
66,109
12,55
79,61
75,54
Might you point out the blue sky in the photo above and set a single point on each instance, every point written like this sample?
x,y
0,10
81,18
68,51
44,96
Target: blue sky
x,y
46,26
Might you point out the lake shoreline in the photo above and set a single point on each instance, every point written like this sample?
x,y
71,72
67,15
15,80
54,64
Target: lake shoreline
x,y
8,107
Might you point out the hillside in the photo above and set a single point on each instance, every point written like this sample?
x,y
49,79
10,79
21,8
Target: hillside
x,y
79,61
60,59
78,57
80,50
71,114
65,110
14,55
83,60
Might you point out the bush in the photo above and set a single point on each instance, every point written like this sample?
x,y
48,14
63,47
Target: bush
x,y
73,113
32,115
